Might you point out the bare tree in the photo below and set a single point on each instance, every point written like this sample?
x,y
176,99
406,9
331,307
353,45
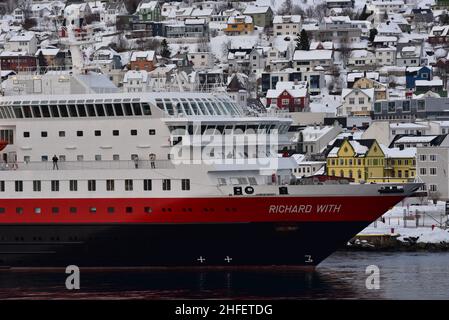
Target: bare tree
x,y
286,8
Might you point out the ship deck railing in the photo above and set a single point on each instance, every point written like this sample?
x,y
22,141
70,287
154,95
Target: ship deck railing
x,y
88,165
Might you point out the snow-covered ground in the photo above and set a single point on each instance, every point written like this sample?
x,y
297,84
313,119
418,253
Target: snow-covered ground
x,y
429,215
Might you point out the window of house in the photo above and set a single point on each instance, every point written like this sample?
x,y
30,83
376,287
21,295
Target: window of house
x,y
433,157
422,157
433,188
433,171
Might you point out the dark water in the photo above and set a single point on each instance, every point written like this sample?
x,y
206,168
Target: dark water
x,y
341,276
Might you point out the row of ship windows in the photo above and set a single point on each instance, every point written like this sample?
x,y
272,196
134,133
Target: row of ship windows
x,y
75,110
97,133
109,210
92,185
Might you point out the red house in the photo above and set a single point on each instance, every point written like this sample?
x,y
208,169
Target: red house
x,y
17,61
293,100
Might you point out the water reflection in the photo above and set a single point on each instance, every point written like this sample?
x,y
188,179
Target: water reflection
x,y
342,276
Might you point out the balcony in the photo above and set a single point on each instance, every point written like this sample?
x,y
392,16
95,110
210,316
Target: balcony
x,y
88,165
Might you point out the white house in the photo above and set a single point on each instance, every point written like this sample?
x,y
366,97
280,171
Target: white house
x,y
135,81
356,102
201,60
386,56
24,42
286,25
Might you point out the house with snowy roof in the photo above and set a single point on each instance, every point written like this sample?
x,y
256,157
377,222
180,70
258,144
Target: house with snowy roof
x,y
237,88
409,55
362,59
356,102
112,10
24,42
143,60
287,25
149,11
439,34
262,15
239,25
289,96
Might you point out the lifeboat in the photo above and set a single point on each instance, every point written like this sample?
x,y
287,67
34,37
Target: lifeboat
x,y
3,144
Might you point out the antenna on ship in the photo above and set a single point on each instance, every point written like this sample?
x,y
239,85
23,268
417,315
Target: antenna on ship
x,y
75,36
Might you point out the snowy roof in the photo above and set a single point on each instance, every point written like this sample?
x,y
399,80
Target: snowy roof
x,y
301,55
368,92
427,83
135,75
398,153
148,55
295,93
385,39
147,5
202,12
194,21
24,36
48,51
361,53
407,125
351,77
256,9
313,133
439,31
240,19
415,139
387,28
287,19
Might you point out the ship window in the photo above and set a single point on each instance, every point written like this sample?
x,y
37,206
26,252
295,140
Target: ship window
x,y
252,181
26,134
73,185
61,133
91,185
152,132
18,111
54,185
134,132
37,210
18,185
111,209
72,109
146,109
91,110
98,157
73,210
81,110
37,185
2,210
115,132
79,133
19,210
166,184
221,181
97,133
109,110
44,158
128,185
137,110
100,110
63,111
54,111
2,186
169,107
128,109
185,184
147,210
36,111
116,157
55,210
44,134
118,109
147,185
110,185
129,209
93,210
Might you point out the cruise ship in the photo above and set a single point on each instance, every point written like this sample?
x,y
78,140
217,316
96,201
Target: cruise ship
x,y
169,179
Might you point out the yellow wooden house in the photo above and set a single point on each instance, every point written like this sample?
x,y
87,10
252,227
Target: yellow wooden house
x,y
365,160
239,25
